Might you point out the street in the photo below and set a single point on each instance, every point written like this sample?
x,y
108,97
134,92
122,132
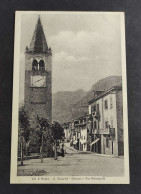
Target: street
x,y
75,163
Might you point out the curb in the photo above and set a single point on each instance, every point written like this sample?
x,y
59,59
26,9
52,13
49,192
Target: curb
x,y
101,155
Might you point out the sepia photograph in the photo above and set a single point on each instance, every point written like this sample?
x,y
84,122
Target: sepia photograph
x,y
69,115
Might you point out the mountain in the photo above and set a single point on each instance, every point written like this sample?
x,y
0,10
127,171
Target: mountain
x,y
62,104
68,105
103,84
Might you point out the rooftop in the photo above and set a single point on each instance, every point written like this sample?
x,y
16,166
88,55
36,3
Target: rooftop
x,y
117,87
38,43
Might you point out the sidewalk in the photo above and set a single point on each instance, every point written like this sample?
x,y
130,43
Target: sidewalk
x,y
93,153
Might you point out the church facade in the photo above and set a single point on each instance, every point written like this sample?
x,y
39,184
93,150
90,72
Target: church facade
x,y
38,77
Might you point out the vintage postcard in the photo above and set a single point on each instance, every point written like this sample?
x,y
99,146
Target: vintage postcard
x,y
70,118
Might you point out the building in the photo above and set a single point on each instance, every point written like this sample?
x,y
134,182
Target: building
x,y
106,110
79,134
75,134
83,134
67,131
38,77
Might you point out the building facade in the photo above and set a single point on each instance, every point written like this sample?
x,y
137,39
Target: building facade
x,y
38,77
75,134
81,132
106,109
101,130
67,131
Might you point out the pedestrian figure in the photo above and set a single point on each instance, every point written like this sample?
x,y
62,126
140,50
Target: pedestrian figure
x,y
62,150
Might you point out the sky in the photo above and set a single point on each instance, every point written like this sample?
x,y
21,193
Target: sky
x,y
85,47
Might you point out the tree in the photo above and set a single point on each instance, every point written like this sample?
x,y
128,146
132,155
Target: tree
x,y
43,131
58,134
24,130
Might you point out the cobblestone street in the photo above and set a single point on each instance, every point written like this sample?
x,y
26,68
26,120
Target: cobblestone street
x,y
75,163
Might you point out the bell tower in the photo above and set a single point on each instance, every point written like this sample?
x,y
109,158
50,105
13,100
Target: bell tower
x,y
38,77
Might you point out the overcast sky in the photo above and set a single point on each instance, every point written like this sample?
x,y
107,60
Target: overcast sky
x,y
85,47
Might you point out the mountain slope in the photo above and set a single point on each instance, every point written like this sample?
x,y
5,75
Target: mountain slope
x,y
103,84
63,102
69,105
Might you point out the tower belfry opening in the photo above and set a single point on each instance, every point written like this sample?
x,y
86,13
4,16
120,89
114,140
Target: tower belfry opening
x,y
41,65
35,65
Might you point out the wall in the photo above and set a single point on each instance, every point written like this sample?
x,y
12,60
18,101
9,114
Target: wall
x,y
67,132
112,116
38,101
108,150
47,58
83,133
119,104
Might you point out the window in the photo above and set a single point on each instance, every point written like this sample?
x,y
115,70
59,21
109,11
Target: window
x,y
94,108
106,104
111,103
98,125
97,107
35,65
41,65
107,142
95,126
106,124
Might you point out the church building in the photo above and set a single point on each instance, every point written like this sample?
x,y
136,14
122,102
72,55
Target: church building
x,y
38,77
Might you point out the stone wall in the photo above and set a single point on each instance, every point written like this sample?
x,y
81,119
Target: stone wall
x,y
38,100
108,150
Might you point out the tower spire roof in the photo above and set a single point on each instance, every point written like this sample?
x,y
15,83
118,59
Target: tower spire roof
x,y
38,43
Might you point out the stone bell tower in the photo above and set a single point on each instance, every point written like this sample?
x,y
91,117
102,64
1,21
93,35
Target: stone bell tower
x,y
38,77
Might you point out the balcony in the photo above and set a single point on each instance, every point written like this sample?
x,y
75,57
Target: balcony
x,y
89,116
104,131
95,131
107,131
96,114
101,131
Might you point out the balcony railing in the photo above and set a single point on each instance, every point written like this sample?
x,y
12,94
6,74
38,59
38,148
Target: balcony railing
x,y
107,131
95,131
101,131
104,131
96,114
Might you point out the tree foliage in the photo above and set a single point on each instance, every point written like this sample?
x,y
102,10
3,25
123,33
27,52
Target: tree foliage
x,y
57,131
24,125
43,136
43,127
24,133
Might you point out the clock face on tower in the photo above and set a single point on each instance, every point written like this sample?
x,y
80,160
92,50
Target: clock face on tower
x,y
38,81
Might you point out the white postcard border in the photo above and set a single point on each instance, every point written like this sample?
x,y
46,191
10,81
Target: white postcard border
x,y
14,179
